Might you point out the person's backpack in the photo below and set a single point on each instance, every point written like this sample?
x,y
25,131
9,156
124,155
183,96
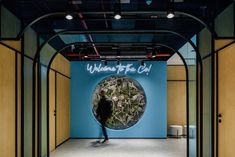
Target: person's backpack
x,y
109,107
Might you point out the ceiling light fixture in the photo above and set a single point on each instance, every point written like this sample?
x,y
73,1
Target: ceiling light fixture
x,y
170,10
149,51
72,48
117,11
142,63
68,16
170,14
105,62
118,53
117,16
154,54
118,62
85,55
148,2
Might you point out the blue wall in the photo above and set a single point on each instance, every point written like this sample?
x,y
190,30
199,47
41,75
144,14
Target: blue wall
x,y
153,123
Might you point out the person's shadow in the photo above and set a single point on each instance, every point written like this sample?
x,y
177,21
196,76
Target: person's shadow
x,y
99,144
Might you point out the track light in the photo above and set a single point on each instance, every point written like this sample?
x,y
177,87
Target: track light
x,y
118,62
142,63
85,55
105,62
118,53
68,16
72,48
117,11
154,54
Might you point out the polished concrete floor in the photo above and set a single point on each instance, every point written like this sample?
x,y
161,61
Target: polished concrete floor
x,y
122,148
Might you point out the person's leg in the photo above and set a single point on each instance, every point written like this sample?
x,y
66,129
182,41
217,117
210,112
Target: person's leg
x,y
103,121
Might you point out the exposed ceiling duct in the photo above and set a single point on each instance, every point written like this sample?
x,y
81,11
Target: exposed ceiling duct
x,y
98,15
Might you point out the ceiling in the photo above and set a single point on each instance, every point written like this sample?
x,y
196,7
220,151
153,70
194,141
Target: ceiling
x,y
133,36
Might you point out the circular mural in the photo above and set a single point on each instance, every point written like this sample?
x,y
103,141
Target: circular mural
x,y
128,101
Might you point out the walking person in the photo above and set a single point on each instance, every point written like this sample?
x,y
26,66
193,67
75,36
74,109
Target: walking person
x,y
104,111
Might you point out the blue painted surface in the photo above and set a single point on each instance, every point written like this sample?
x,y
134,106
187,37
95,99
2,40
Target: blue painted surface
x,y
153,123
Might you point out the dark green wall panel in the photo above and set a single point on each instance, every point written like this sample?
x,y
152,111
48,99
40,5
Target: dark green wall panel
x,y
224,22
204,42
46,54
30,39
28,107
10,24
44,111
207,106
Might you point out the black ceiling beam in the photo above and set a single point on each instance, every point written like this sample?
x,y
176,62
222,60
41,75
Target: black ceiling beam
x,y
127,18
111,12
157,44
114,43
37,55
126,31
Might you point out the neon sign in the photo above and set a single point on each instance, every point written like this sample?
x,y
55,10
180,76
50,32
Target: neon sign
x,y
119,69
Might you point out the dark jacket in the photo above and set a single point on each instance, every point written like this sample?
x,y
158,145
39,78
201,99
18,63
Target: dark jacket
x,y
104,109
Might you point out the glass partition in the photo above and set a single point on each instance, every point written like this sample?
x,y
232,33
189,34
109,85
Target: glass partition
x,y
43,107
205,48
28,108
189,55
10,24
45,55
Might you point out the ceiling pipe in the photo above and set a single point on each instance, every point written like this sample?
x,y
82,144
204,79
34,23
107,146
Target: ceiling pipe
x,y
72,54
201,21
85,26
106,23
89,35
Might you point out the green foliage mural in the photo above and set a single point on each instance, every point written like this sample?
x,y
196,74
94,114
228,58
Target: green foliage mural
x,y
128,101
